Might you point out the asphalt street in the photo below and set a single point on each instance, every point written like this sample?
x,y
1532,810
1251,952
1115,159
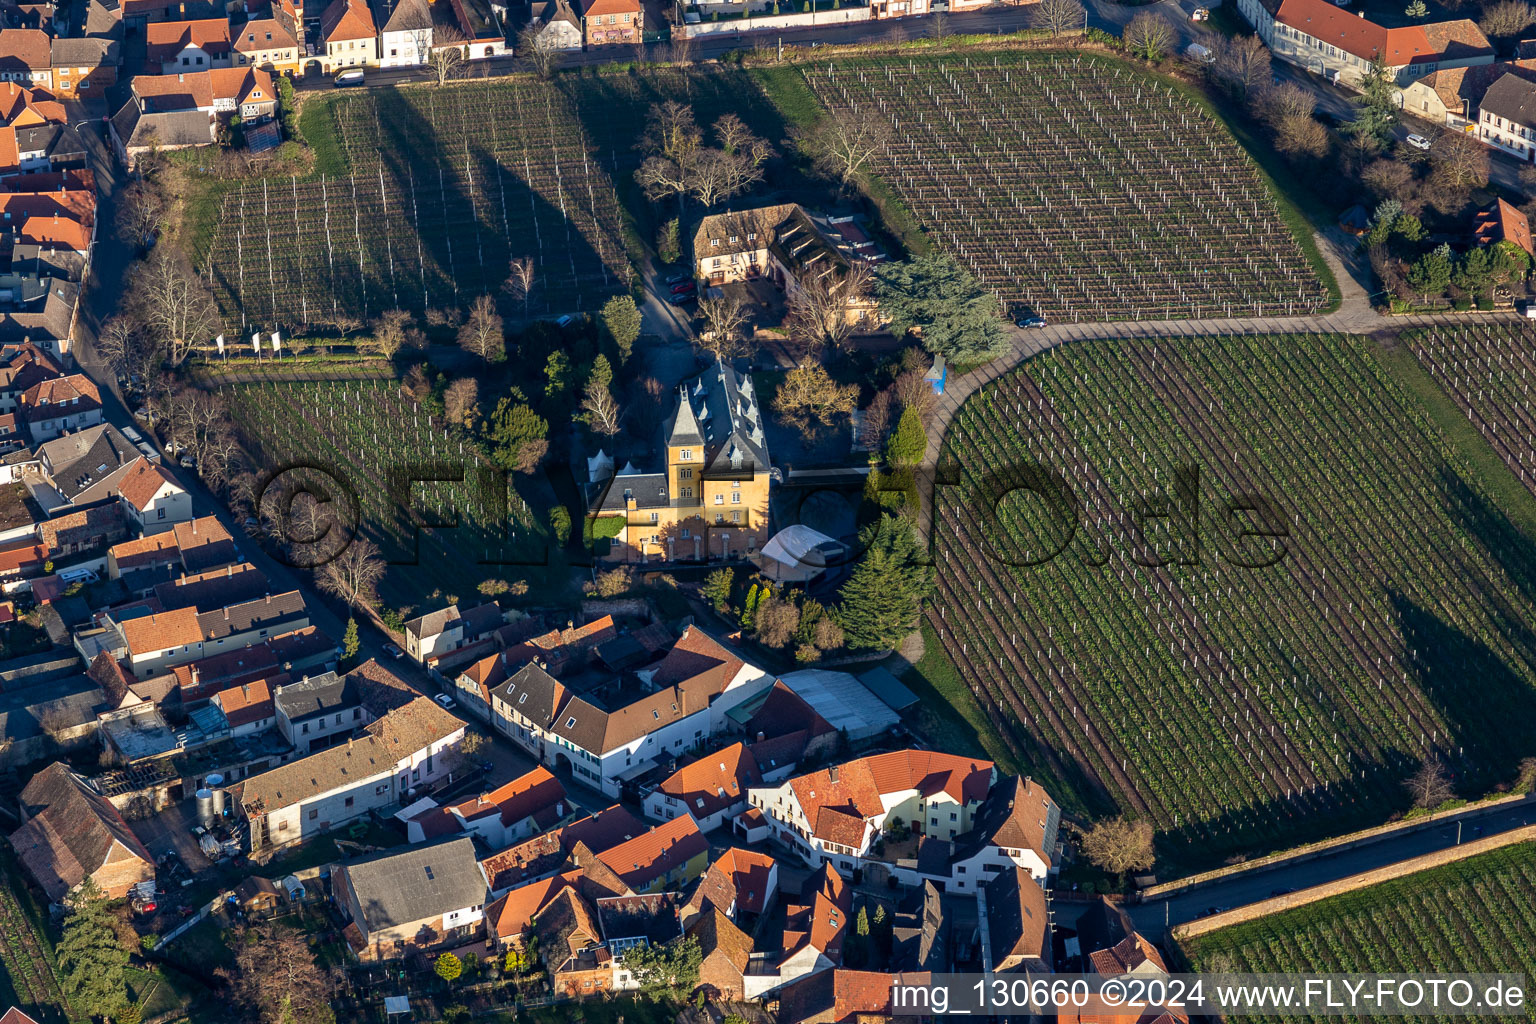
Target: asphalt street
x,y
1262,883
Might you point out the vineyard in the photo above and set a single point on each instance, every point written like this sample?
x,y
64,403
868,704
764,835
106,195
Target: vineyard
x,y
1473,916
1077,187
368,434
1485,368
444,188
27,977
1236,707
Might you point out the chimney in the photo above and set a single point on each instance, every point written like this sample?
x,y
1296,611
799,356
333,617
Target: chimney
x,y
760,736
196,673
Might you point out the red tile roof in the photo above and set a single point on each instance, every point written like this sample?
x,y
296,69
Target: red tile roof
x,y
143,481
854,789
1365,39
715,781
821,917
150,633
536,794
249,702
643,859
512,915
738,877
29,47
1503,223
347,19
164,40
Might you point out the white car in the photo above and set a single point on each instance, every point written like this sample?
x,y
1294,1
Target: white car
x,y
1417,141
443,699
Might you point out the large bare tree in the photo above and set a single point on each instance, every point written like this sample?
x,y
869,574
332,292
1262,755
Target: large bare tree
x,y
539,50
599,409
1119,845
521,276
390,331
810,399
483,332
354,575
447,59
140,212
172,304
1430,786
1242,64
845,144
725,317
821,310
1058,16
1148,36
276,980
461,402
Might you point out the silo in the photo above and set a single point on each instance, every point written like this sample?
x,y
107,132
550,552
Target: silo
x,y
215,783
205,812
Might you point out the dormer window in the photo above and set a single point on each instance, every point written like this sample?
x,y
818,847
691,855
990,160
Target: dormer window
x,y
570,722
714,243
751,236
733,239
686,454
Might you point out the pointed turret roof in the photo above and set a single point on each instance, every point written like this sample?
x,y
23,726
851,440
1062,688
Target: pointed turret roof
x,y
684,428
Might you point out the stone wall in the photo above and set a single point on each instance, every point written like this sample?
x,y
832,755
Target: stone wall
x,y
742,26
1316,893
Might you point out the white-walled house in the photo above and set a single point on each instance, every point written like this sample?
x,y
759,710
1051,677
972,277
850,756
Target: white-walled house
x,y
1506,117
406,40
421,898
154,498
413,746
528,805
713,789
1318,36
837,816
677,704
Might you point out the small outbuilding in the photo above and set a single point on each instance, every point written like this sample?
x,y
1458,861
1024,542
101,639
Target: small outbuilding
x,y
798,554
843,701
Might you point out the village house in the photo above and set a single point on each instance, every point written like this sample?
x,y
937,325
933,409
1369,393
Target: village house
x,y
710,500
1452,96
85,66
1503,223
270,39
63,405
440,636
786,244
179,46
70,832
726,953
1318,36
57,221
635,921
315,711
406,39
154,498
87,529
920,933
156,642
1016,924
561,27
26,57
610,22
528,805
209,591
419,899
300,652
549,853
411,747
814,929
176,111
712,789
1507,117
82,468
669,855
557,651
619,730
741,884
842,996
248,708
197,545
349,36
962,825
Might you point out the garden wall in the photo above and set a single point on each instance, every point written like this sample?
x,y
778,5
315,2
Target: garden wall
x,y
1361,881
741,26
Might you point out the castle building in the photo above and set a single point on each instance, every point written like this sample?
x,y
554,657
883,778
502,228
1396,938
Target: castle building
x,y
709,502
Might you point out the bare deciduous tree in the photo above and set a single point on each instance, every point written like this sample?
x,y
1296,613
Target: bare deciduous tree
x,y
600,411
1242,64
713,175
733,135
520,280
681,50
1301,135
483,332
461,401
821,311
1429,786
1119,845
390,331
845,144
877,420
1507,18
447,59
140,212
810,399
539,50
1148,36
725,317
1274,104
671,131
1058,16
1459,162
353,576
172,304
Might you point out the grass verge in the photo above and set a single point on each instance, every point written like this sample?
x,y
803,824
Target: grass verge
x,y
1489,471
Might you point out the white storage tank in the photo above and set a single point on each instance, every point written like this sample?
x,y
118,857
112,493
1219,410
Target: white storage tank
x,y
205,812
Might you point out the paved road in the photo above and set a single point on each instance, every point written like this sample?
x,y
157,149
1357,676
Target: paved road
x,y
1262,883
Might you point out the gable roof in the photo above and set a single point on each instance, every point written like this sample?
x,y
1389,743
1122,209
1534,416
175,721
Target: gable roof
x,y
738,877
838,798
647,857
535,794
316,695
1511,97
199,89
821,917
347,19
1018,921
246,703
715,781
149,634
164,40
143,481
1503,223
384,743
1413,44
70,832
25,47
547,852
419,884
513,914
216,588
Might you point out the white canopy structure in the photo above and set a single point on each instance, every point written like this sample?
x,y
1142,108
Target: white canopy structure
x,y
797,554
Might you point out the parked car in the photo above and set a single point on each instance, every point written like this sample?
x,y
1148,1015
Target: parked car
x,y
1030,323
679,277
445,700
684,286
1417,141
682,299
347,78
393,651
187,462
1528,310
